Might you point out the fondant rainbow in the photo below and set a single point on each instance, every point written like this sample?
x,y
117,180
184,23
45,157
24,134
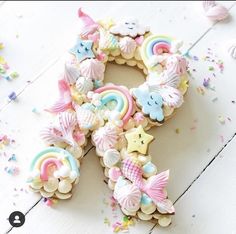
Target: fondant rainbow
x,y
124,101
152,45
53,156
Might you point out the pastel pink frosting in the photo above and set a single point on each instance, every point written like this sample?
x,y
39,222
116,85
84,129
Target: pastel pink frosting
x,y
127,45
177,64
129,197
93,69
105,138
215,11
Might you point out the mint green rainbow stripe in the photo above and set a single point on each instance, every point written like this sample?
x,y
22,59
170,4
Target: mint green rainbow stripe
x,y
68,156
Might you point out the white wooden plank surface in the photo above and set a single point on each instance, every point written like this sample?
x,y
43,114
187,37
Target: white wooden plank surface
x,y
209,207
187,155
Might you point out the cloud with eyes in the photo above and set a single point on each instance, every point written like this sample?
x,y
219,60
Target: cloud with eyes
x,y
129,27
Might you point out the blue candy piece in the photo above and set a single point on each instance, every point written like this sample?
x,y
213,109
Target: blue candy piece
x,y
121,182
151,103
12,96
83,50
149,168
98,83
145,199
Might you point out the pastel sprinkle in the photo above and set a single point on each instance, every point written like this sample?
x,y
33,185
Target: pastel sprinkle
x,y
107,221
12,96
177,130
14,75
221,119
123,226
187,54
222,138
214,99
12,157
35,111
49,202
206,82
12,170
200,90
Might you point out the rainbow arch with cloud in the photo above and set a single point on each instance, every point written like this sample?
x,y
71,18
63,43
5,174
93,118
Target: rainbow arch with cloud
x,y
153,44
53,156
122,97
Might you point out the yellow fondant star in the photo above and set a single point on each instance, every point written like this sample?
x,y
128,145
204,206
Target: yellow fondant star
x,y
138,140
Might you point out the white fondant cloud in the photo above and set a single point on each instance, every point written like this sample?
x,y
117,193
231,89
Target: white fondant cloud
x,y
129,27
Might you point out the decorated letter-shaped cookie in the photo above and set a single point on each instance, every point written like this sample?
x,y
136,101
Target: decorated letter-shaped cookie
x,y
113,117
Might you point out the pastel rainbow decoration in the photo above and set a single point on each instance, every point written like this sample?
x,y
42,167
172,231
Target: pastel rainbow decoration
x,y
155,45
124,101
57,157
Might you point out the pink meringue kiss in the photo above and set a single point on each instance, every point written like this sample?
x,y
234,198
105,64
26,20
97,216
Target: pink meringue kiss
x,y
129,197
93,69
215,12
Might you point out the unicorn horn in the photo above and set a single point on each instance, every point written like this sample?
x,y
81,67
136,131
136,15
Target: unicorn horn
x,y
87,20
89,27
64,101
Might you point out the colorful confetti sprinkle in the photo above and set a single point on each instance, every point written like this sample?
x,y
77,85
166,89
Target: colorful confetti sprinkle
x,y
123,225
12,96
221,119
12,170
200,90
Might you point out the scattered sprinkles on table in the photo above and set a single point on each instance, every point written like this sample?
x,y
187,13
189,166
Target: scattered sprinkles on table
x,y
214,68
118,222
7,74
9,159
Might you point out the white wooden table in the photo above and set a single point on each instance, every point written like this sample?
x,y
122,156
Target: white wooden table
x,y
201,156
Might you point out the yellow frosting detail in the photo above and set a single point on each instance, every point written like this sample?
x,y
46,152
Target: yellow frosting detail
x,y
138,140
183,86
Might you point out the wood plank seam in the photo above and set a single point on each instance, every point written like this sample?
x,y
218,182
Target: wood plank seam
x,y
208,30
10,229
199,175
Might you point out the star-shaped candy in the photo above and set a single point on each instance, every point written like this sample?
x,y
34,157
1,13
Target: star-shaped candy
x,y
83,49
138,140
